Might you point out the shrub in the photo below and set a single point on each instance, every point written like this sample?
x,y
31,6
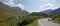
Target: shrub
x,y
26,20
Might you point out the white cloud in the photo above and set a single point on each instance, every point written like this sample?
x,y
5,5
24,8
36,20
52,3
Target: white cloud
x,y
9,2
45,0
48,5
45,6
12,4
20,6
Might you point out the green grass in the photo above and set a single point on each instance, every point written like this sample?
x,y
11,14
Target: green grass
x,y
9,23
56,20
14,20
35,23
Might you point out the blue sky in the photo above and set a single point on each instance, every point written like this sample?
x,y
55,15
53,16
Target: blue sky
x,y
34,5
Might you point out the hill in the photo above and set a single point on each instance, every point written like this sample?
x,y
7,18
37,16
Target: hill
x,y
10,12
47,11
4,9
57,11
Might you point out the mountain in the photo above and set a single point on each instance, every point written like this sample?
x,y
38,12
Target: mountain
x,y
57,11
8,15
18,11
37,14
43,13
47,11
7,10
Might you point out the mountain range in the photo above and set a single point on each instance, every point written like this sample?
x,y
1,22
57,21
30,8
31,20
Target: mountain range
x,y
47,11
56,11
7,10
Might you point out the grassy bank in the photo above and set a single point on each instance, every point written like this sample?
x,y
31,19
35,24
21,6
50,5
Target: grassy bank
x,y
35,23
56,20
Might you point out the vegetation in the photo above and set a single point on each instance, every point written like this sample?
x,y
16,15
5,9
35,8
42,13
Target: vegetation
x,y
8,15
27,20
56,18
38,14
35,23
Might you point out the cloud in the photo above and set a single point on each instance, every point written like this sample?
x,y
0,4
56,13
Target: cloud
x,y
1,0
9,2
45,6
12,4
20,6
48,5
45,0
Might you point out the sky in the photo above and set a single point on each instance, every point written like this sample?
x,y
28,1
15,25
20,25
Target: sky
x,y
33,5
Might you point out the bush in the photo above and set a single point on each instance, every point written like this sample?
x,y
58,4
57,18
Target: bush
x,y
54,17
27,20
24,22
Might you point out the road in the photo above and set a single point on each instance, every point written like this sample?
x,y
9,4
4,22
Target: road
x,y
45,22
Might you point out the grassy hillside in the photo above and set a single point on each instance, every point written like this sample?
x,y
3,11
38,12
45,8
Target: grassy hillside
x,y
8,15
56,18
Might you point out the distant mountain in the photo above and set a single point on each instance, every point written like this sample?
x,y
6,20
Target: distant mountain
x,y
47,11
43,13
57,11
37,14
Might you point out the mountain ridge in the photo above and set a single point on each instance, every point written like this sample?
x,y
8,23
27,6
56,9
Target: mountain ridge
x,y
12,10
